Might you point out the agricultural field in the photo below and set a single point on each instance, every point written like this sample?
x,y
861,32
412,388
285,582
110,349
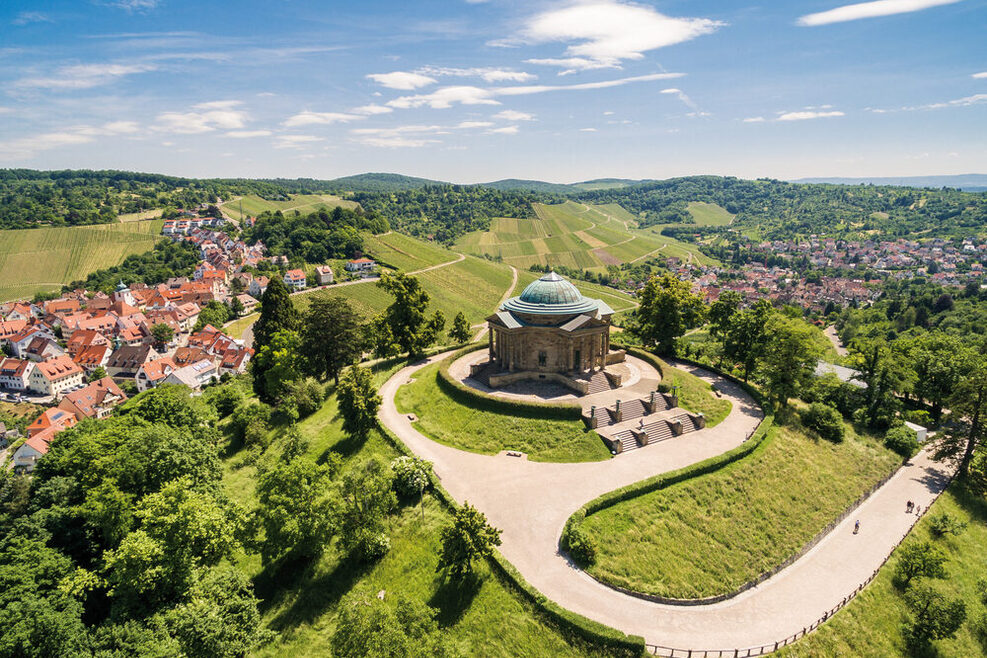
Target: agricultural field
x,y
683,541
44,259
140,216
405,253
573,235
252,205
709,214
455,424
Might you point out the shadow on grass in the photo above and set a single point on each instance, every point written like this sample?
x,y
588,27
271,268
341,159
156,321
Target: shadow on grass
x,y
454,597
313,593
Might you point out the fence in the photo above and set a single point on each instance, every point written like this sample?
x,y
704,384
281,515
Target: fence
x,y
670,652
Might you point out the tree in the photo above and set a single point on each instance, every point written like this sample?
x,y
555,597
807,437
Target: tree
x,y
825,421
215,313
332,336
358,401
162,333
940,361
236,307
668,309
901,440
790,357
919,560
276,366
277,313
98,373
936,617
720,311
468,537
744,335
403,326
367,499
461,330
371,627
411,476
296,509
963,438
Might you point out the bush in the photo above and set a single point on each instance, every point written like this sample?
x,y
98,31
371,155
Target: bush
x,y
307,396
225,399
371,547
411,476
247,414
917,416
825,421
901,440
943,524
664,387
579,546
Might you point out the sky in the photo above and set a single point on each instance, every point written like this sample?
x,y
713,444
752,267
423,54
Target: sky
x,y
478,90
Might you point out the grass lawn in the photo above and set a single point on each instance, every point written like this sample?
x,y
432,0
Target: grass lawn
x,y
871,624
236,328
711,534
404,252
301,605
696,395
709,214
444,420
43,259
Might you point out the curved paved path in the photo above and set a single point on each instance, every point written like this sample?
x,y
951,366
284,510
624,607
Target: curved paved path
x,y
530,502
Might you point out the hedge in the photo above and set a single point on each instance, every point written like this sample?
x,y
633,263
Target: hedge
x,y
478,400
568,623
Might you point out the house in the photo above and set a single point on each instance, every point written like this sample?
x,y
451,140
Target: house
x,y
235,360
324,275
15,373
360,265
33,449
94,356
126,359
258,286
19,311
152,373
55,376
249,303
96,400
9,329
83,339
195,376
42,348
20,341
295,280
53,417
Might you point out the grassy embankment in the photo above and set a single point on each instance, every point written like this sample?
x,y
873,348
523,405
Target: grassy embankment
x,y
712,534
253,205
302,605
44,259
871,624
709,214
573,235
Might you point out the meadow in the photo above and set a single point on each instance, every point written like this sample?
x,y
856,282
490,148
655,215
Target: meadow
x,y
454,424
709,214
44,259
711,534
253,205
574,235
403,252
301,605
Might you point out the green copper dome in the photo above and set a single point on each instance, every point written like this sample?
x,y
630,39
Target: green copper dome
x,y
551,295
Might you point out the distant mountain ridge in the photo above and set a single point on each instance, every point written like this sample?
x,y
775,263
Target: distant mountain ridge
x,y
965,182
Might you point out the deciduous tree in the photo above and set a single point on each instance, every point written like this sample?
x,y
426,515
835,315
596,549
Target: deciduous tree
x,y
668,309
358,401
468,537
332,336
790,357
461,330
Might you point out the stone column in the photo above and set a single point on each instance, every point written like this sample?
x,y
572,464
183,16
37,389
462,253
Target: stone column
x,y
490,349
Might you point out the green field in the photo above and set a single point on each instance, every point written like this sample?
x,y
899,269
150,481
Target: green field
x,y
709,214
44,259
300,605
447,421
871,624
713,533
573,235
252,205
403,252
140,216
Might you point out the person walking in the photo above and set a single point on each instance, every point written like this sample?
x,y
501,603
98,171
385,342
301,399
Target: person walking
x,y
856,527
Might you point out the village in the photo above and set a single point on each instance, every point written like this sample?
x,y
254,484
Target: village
x,y
85,352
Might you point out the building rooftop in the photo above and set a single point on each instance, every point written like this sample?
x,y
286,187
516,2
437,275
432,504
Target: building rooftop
x,y
551,295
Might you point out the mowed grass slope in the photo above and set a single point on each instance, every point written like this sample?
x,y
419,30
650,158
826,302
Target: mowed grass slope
x,y
253,205
406,253
574,235
447,421
711,534
301,604
871,624
709,214
44,259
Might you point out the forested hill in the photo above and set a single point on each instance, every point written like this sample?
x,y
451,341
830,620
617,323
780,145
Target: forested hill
x,y
780,210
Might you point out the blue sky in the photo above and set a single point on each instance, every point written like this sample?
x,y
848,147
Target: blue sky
x,y
472,91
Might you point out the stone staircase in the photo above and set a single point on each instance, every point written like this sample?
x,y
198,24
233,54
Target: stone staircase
x,y
689,423
632,409
603,418
656,431
598,382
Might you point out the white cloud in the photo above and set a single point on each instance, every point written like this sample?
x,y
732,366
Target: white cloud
x,y
975,99
371,109
25,147
474,124
410,136
446,97
571,65
307,118
85,76
982,74
487,74
403,80
609,113
506,130
754,120
869,10
397,142
246,134
135,5
6,110
607,32
587,130
28,17
678,93
213,115
111,128
295,141
514,115
808,114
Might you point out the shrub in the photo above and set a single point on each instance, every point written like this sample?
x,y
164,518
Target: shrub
x,y
825,421
664,387
307,396
943,524
580,547
917,416
411,476
247,414
901,440
225,399
371,546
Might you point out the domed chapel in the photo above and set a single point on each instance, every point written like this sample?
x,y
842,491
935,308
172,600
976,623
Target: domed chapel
x,y
551,331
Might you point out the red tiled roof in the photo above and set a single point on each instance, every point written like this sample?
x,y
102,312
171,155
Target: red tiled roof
x,y
59,367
